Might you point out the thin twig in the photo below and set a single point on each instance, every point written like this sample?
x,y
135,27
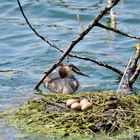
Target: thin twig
x,y
31,27
124,86
117,31
134,68
57,105
76,56
7,71
100,63
122,110
78,39
51,44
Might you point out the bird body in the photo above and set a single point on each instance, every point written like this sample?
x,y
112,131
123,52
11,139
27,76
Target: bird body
x,y
55,84
63,81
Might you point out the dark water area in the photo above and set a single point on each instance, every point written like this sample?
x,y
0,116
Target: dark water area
x,y
24,57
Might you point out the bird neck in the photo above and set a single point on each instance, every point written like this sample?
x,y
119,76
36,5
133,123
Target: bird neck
x,y
62,72
66,86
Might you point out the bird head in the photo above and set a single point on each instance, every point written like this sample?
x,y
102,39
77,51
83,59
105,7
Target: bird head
x,y
66,69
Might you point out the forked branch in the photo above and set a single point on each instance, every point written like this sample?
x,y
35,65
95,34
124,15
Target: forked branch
x,y
131,72
79,38
95,22
103,64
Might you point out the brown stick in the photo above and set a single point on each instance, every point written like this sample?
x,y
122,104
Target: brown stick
x,y
71,55
129,73
135,75
31,27
57,105
117,31
134,67
112,17
52,45
6,70
100,63
79,38
76,56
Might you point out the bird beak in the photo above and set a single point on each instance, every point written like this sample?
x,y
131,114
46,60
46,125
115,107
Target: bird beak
x,y
76,70
80,73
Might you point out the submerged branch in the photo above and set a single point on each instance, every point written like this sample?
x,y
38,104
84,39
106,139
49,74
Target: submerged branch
x,y
135,75
134,67
6,70
112,16
78,39
131,72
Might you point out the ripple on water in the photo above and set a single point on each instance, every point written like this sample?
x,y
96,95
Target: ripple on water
x,y
28,56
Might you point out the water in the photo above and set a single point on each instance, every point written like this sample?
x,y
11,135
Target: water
x,y
24,57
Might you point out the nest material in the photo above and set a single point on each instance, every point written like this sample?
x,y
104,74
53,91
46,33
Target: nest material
x,y
111,113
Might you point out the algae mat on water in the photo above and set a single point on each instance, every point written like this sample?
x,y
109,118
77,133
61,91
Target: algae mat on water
x,y
110,114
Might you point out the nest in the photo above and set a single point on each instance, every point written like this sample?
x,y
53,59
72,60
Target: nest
x,y
110,113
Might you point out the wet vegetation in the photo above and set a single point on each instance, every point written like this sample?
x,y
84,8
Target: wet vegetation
x,y
111,115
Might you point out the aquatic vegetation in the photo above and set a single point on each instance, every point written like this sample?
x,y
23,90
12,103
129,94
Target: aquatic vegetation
x,y
110,114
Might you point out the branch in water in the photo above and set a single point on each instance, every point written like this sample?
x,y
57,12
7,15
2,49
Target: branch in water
x,y
135,75
78,39
117,31
131,72
71,55
99,63
134,67
112,16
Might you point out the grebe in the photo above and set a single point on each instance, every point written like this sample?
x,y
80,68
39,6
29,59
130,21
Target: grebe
x,y
63,81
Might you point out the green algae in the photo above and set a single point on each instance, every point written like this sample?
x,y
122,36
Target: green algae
x,y
111,115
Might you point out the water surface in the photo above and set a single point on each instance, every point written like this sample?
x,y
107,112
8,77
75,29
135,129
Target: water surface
x,y
24,57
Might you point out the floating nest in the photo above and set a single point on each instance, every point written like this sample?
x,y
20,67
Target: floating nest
x,y
110,113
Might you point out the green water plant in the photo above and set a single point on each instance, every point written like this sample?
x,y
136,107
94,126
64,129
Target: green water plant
x,y
110,114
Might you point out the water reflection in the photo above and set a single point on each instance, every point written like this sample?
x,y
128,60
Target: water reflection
x,y
73,4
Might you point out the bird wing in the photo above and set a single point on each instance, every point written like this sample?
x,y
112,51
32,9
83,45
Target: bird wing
x,y
53,83
74,83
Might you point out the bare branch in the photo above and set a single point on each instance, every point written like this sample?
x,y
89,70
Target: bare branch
x,y
117,31
112,16
99,63
57,105
135,75
6,70
71,55
131,72
134,67
124,86
79,38
31,27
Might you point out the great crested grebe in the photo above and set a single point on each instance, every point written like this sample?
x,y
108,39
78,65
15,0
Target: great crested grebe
x,y
63,81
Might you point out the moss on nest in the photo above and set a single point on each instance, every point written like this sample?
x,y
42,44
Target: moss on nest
x,y
111,114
